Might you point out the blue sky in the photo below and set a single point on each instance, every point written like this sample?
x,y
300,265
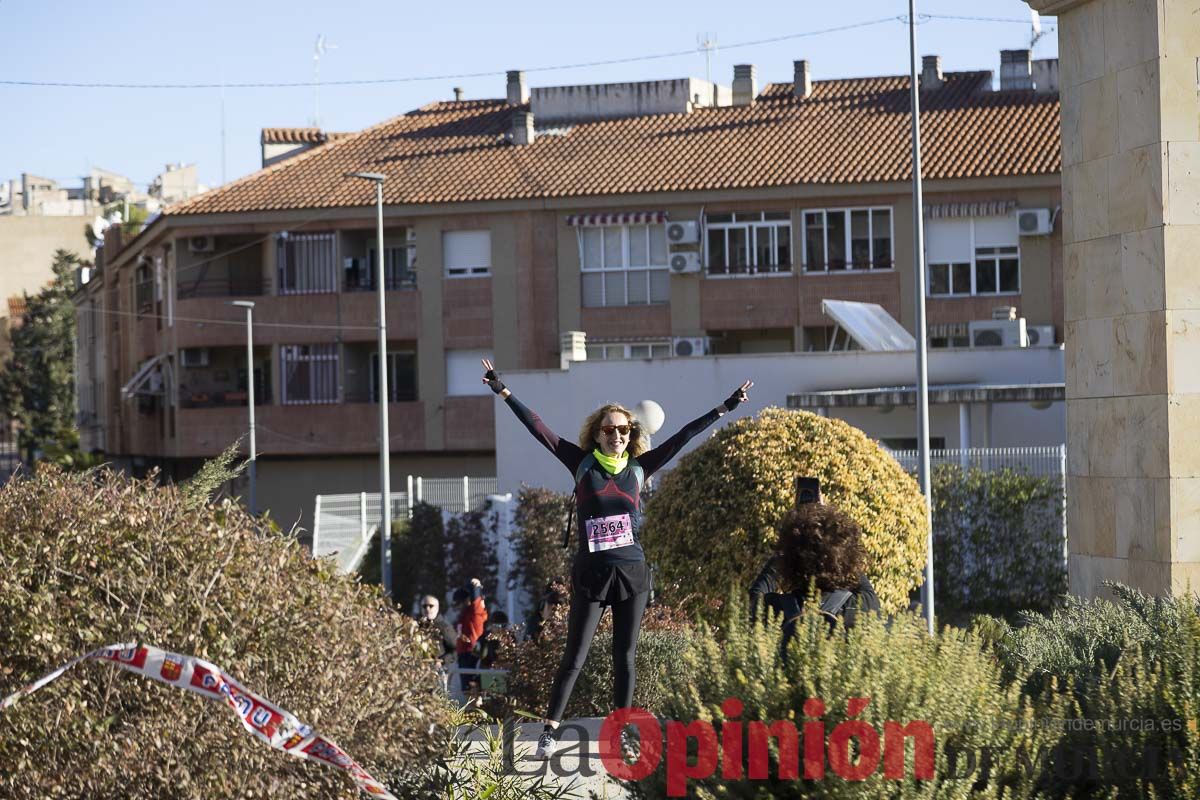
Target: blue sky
x,y
61,132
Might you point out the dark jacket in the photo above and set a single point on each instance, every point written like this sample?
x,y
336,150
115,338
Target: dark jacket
x,y
766,590
444,633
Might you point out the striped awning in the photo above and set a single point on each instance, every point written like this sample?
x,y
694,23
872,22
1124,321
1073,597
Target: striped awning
x,y
619,218
980,208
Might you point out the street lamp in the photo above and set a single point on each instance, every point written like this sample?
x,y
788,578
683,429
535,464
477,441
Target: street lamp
x,y
922,331
249,306
385,474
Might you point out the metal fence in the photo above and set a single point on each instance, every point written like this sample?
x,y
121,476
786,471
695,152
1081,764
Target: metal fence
x,y
343,524
1045,461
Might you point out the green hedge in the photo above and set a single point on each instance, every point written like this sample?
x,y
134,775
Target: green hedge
x,y
999,541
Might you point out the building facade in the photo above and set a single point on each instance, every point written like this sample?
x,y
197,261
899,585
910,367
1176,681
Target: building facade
x,y
664,219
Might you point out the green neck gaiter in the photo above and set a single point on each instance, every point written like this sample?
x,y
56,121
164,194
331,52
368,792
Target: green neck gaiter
x,y
612,465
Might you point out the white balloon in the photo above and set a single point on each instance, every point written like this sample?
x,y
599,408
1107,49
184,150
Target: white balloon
x,y
651,415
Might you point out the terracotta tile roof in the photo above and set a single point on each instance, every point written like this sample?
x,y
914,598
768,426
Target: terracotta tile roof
x,y
298,136
846,131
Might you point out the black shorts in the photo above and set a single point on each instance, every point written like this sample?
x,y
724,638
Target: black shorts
x,y
609,583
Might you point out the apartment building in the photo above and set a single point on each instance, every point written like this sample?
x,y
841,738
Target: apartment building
x,y
663,219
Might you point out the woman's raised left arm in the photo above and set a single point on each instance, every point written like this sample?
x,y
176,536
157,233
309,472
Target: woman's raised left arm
x,y
653,460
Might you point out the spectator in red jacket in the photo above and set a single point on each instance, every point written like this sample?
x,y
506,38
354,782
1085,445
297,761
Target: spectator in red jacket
x,y
472,617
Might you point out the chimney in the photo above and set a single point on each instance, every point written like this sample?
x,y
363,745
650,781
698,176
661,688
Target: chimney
x,y
518,92
931,72
1015,70
522,128
802,82
458,93
743,85
1045,75
572,347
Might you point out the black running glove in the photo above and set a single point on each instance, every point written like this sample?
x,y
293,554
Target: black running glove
x,y
735,399
493,381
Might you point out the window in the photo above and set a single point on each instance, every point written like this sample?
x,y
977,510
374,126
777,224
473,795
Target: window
x,y
143,299
310,373
306,263
398,270
464,372
973,256
611,351
402,377
910,442
467,254
748,244
624,265
836,240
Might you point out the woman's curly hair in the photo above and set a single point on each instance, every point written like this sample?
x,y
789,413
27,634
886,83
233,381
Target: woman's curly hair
x,y
591,429
819,544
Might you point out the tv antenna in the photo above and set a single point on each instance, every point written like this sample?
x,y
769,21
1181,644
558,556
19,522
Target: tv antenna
x,y
319,49
708,43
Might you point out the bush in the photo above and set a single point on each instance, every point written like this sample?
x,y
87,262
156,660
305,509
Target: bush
x,y
470,542
538,525
710,523
532,664
998,538
949,681
94,558
1127,661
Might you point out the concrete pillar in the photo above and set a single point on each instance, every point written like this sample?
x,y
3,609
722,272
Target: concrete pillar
x,y
1131,227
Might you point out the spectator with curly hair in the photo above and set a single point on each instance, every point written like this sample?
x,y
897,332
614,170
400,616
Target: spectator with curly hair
x,y
818,547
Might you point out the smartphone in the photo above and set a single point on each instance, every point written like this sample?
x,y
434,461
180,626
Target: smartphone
x,y
808,490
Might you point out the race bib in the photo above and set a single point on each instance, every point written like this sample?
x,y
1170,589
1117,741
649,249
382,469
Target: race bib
x,y
605,533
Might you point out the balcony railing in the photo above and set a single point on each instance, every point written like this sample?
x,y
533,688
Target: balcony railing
x,y
229,286
219,399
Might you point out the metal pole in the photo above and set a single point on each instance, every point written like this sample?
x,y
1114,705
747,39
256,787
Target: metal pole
x,y
922,333
385,472
250,402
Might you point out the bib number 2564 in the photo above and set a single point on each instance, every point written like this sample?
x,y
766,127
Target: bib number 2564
x,y
606,533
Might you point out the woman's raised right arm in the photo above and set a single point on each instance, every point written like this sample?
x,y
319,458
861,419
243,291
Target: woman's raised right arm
x,y
569,453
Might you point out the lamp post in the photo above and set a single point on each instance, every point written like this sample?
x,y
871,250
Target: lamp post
x,y
249,306
922,333
385,475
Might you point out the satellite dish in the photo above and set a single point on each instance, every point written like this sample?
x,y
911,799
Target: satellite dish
x,y
651,415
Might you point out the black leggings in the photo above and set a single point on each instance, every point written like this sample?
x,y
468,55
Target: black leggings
x,y
581,627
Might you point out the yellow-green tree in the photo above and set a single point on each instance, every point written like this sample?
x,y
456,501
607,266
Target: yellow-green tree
x,y
711,521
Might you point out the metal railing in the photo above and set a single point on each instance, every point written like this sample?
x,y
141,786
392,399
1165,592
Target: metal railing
x,y
343,524
1045,461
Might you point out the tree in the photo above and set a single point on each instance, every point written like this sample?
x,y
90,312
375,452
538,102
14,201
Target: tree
x,y
37,386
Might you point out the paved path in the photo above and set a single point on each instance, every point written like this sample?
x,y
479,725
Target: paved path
x,y
576,767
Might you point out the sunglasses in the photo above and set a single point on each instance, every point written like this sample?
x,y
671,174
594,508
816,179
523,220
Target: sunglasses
x,y
608,430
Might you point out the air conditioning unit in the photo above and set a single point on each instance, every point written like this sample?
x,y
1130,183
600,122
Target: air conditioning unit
x,y
1040,335
685,232
1034,222
201,244
684,346
998,333
194,356
685,262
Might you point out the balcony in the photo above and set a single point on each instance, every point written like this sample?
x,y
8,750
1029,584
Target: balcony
x,y
214,377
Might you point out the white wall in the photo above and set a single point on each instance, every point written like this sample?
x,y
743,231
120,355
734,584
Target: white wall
x,y
688,387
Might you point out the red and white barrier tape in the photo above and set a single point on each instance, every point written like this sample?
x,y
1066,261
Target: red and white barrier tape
x,y
266,721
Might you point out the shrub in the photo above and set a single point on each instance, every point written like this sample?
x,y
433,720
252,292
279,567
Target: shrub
x,y
532,664
998,539
471,551
1121,663
949,681
710,523
537,544
94,558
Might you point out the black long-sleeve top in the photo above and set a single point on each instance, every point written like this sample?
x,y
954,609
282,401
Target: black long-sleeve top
x,y
600,495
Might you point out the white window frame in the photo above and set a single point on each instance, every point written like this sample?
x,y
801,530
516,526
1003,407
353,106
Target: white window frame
x,y
849,236
974,259
467,270
627,349
606,268
752,228
317,394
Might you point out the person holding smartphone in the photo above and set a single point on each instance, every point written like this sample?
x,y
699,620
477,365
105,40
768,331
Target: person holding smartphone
x,y
818,546
609,465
